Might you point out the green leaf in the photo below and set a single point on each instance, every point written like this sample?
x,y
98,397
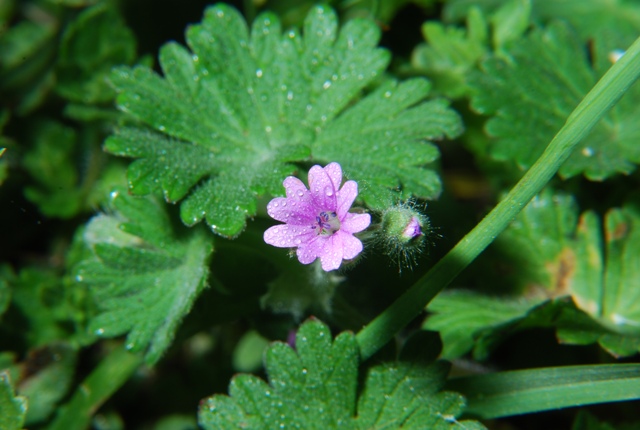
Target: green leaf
x,y
462,317
530,94
451,52
12,408
316,388
27,51
238,109
610,276
247,355
91,45
51,372
43,308
510,21
536,252
144,274
51,162
548,252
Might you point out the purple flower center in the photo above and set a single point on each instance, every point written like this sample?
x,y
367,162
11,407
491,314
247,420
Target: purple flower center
x,y
327,223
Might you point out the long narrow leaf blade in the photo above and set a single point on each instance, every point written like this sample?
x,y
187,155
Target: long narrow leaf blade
x,y
525,391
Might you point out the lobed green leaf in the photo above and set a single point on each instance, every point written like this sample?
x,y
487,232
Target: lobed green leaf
x,y
530,94
144,273
12,408
315,387
242,105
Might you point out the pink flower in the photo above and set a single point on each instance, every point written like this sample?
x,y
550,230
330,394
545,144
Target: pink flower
x,y
317,220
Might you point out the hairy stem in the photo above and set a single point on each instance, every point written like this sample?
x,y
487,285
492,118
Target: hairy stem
x,y
611,87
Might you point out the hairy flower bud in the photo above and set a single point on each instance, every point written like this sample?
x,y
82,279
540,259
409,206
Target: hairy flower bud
x,y
403,233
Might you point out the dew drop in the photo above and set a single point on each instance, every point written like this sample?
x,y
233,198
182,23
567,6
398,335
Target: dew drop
x,y
268,129
387,94
259,73
328,191
326,85
290,95
300,193
284,204
99,332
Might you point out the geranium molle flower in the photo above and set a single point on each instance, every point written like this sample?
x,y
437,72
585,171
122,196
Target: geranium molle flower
x,y
318,222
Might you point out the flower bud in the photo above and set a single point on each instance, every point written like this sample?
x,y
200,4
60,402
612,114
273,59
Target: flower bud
x,y
403,233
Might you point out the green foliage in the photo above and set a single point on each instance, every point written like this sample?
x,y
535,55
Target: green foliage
x,y
451,52
42,308
529,95
607,279
550,252
465,320
12,408
51,163
27,51
315,387
97,40
50,374
241,107
144,272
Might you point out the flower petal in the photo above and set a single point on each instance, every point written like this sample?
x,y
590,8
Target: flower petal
x,y
351,246
288,236
291,211
334,171
345,197
296,189
308,251
332,252
322,189
355,223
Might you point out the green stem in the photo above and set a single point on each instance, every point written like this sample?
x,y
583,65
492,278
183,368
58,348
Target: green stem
x,y
611,87
114,370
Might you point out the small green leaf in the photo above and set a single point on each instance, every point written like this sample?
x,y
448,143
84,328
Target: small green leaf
x,y
51,163
315,388
247,355
238,109
91,45
530,94
451,52
27,51
462,316
43,309
51,372
510,21
144,274
612,283
12,408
